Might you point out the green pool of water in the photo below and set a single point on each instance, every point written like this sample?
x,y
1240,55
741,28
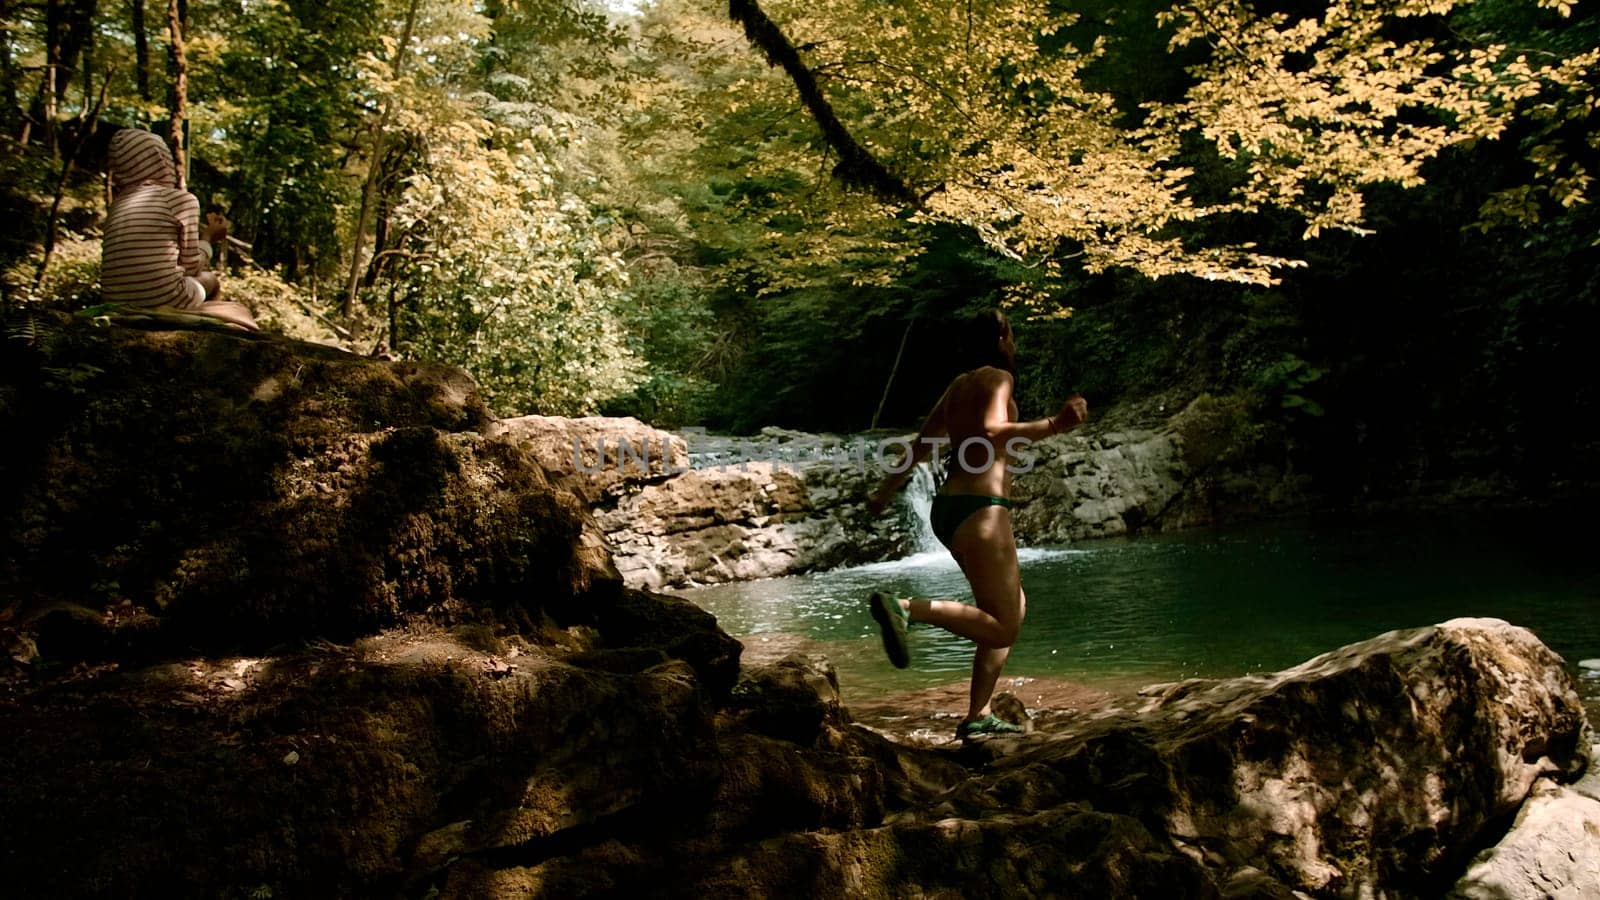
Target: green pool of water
x,y
1118,613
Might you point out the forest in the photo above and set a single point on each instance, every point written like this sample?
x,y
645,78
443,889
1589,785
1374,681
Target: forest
x,y
1303,297
1367,229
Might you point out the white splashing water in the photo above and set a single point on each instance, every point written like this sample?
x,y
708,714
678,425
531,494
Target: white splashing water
x,y
916,502
919,497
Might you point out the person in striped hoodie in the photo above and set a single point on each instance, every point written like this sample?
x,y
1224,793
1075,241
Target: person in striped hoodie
x,y
153,255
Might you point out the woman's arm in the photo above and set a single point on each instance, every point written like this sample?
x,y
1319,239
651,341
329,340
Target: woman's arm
x,y
999,428
935,426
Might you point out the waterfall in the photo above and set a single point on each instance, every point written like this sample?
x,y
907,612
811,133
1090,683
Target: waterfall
x,y
919,498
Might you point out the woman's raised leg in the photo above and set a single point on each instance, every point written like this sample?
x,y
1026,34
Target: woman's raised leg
x,y
986,550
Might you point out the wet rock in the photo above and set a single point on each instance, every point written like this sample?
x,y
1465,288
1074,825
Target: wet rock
x,y
756,520
1007,707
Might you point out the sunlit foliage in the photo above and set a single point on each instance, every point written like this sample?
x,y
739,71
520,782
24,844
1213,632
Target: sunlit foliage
x,y
983,109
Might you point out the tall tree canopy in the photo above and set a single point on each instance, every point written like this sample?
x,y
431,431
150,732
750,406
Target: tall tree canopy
x,y
738,213
988,114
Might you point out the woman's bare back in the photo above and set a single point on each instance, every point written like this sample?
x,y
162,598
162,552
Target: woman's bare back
x,y
968,407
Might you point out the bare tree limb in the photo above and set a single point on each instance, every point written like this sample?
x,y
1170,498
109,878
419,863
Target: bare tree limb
x,y
857,167
84,136
893,371
369,189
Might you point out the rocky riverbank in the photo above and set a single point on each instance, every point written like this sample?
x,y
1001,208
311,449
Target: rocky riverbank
x,y
282,621
686,509
716,509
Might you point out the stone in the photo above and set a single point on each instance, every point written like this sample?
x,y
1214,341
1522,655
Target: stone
x,y
1006,706
755,520
1250,883
571,450
1369,771
786,502
328,770
1551,851
188,488
1372,768
789,699
626,752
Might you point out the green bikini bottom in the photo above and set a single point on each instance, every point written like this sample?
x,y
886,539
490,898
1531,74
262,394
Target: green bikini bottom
x,y
950,510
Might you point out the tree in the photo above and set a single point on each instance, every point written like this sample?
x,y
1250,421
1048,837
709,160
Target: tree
x,y
402,51
179,64
507,276
983,113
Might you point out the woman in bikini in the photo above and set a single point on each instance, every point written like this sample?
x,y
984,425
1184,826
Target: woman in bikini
x,y
971,516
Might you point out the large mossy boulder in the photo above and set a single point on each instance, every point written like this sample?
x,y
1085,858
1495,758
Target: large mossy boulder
x,y
1376,770
293,623
204,491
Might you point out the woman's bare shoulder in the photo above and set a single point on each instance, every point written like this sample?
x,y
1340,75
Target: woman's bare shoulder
x,y
990,377
975,387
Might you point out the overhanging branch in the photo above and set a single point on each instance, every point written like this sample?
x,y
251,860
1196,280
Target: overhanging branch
x,y
857,166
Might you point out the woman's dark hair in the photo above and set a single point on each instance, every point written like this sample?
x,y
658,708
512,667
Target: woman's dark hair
x,y
980,341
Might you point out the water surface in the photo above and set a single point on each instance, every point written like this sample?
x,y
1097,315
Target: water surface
x,y
1124,612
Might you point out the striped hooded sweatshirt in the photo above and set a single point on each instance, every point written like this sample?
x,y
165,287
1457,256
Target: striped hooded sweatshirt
x,y
152,232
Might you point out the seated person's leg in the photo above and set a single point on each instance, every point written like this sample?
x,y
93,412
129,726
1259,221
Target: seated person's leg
x,y
211,284
194,293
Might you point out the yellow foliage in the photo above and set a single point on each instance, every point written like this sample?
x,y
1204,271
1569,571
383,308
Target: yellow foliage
x,y
999,132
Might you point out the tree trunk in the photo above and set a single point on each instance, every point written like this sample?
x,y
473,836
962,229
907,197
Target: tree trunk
x,y
380,238
180,88
76,35
90,119
368,190
43,108
8,69
141,52
87,58
394,318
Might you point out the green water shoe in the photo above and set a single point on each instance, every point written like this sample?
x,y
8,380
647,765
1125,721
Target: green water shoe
x,y
892,620
985,727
